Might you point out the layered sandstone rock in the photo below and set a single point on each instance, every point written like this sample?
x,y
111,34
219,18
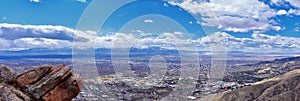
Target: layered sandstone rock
x,y
65,91
48,83
32,76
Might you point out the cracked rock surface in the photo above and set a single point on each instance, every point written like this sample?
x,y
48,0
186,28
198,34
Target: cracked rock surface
x,y
46,83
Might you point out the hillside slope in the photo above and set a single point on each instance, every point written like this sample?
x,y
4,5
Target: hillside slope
x,y
281,88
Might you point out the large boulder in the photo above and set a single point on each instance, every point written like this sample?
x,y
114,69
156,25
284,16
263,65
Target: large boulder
x,y
32,76
46,83
50,83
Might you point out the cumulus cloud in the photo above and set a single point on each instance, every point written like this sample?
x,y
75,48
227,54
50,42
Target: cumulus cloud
x,y
255,14
257,43
21,37
294,3
281,12
148,21
293,11
123,40
17,31
81,0
33,43
238,24
277,2
34,0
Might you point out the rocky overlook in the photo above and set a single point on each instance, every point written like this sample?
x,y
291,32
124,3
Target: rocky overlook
x,y
47,83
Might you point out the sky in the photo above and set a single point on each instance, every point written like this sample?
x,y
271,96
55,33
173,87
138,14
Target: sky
x,y
42,12
248,25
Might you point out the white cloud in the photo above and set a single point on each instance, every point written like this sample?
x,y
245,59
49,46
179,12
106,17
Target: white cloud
x,y
4,18
18,37
277,2
297,29
293,11
143,34
148,21
281,12
16,31
237,24
81,0
166,4
41,43
32,43
34,0
22,37
258,43
255,14
295,3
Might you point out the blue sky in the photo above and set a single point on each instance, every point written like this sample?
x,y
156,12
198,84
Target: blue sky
x,y
67,13
43,12
249,25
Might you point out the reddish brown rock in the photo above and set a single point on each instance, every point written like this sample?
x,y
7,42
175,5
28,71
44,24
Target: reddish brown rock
x,y
50,83
44,85
33,75
65,91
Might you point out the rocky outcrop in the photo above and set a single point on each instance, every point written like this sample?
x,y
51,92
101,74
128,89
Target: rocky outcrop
x,y
48,83
7,91
65,90
10,93
32,76
7,75
281,88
